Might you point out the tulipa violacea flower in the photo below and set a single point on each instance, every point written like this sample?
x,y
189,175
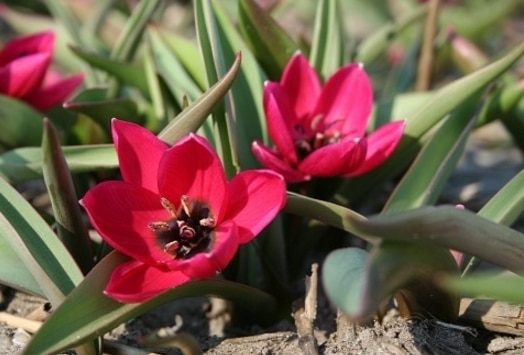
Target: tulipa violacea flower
x,y
175,214
319,131
25,72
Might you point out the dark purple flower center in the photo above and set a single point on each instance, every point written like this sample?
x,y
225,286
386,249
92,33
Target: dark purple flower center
x,y
306,141
188,231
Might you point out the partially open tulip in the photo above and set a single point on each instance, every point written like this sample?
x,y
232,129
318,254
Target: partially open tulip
x,y
320,131
175,214
25,72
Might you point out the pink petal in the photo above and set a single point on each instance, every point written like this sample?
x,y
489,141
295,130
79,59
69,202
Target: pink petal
x,y
205,265
381,144
272,160
192,168
280,120
255,198
301,85
136,282
346,102
43,42
121,213
139,152
334,159
24,75
54,93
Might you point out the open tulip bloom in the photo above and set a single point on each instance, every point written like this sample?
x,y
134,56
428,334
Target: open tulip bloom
x,y
320,131
175,214
25,72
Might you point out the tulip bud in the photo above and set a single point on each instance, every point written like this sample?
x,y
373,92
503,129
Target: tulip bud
x,y
465,54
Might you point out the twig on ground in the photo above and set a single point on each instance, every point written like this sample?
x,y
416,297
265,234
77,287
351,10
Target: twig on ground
x,y
305,315
28,325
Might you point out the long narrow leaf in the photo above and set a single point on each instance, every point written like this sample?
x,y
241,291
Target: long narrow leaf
x,y
213,55
70,324
66,210
21,124
425,179
194,115
24,164
448,227
269,42
36,244
328,48
377,43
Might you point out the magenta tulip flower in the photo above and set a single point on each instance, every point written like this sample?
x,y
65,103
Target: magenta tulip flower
x,y
175,214
25,72
319,131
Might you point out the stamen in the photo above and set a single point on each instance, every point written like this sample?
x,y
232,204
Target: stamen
x,y
168,206
303,145
207,222
319,140
184,200
315,121
172,247
187,232
160,226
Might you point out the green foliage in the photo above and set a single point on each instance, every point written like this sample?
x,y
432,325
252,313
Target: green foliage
x,y
208,76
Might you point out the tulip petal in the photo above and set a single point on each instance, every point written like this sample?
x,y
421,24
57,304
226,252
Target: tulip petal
x,y
54,92
381,144
272,160
345,102
121,213
134,281
281,120
42,42
255,198
24,75
301,85
334,159
205,265
192,168
139,152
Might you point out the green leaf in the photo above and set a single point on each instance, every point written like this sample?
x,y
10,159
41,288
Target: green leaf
x,y
505,208
131,35
448,227
71,32
171,70
128,73
159,118
269,42
24,164
421,121
70,324
13,269
21,124
94,103
425,179
508,288
326,212
187,53
246,119
508,203
375,44
213,55
194,115
66,210
358,282
328,50
36,244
